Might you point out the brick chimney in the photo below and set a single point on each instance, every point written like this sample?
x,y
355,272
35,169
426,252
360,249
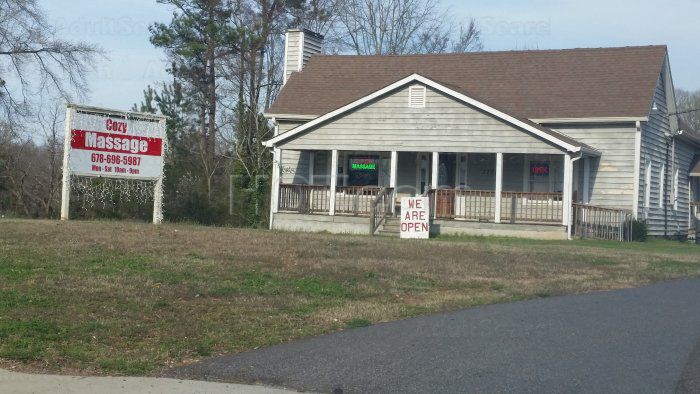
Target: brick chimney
x,y
299,45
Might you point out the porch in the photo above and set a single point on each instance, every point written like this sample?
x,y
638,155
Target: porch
x,y
486,188
446,204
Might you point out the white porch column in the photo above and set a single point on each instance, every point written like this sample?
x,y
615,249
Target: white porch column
x,y
334,180
435,171
499,186
568,185
312,160
392,178
274,198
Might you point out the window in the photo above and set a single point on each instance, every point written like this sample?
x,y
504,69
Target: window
x,y
416,97
540,179
363,171
676,194
662,186
647,185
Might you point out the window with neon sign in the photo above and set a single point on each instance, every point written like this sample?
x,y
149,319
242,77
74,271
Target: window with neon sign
x,y
363,171
539,169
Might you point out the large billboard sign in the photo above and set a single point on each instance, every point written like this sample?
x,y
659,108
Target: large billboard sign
x,y
113,144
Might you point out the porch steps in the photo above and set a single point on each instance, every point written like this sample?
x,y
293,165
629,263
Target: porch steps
x,y
390,227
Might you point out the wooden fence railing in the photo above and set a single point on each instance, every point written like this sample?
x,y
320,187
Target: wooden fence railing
x,y
516,207
465,204
304,198
526,207
602,223
355,200
380,209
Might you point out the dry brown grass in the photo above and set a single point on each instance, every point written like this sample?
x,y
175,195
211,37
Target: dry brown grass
x,y
131,298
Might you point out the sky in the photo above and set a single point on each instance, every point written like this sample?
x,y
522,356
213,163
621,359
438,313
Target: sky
x,y
120,27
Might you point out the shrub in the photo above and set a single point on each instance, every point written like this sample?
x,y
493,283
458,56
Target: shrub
x,y
639,230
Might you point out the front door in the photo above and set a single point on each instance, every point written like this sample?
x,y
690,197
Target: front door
x,y
423,172
446,180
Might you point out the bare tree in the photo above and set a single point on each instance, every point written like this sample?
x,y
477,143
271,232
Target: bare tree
x,y
379,27
49,179
34,61
688,102
30,169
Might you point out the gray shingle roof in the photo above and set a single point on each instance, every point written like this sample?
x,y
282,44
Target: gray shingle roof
x,y
572,83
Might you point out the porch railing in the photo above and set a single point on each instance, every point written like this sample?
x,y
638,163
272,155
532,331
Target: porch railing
x,y
529,207
694,227
380,209
601,223
304,198
465,204
355,200
516,207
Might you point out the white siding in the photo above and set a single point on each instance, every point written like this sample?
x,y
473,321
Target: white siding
x,y
660,151
611,174
294,166
292,51
444,125
285,126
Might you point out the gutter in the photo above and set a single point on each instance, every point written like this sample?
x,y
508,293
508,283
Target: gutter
x,y
630,119
289,116
568,226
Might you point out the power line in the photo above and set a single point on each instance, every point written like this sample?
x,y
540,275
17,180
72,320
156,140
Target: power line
x,y
684,112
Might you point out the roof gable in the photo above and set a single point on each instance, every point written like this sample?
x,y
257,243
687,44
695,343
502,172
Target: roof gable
x,y
578,83
563,142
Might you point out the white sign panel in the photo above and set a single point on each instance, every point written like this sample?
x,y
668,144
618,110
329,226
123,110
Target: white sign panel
x,y
113,144
415,217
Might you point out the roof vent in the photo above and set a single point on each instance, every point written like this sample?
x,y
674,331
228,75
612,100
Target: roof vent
x,y
416,97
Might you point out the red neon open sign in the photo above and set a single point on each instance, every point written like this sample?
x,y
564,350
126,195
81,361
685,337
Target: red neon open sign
x,y
539,169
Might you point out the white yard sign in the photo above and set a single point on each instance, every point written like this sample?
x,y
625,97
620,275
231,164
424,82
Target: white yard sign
x,y
415,217
114,144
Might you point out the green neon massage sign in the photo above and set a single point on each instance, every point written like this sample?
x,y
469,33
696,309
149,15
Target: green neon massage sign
x,y
364,166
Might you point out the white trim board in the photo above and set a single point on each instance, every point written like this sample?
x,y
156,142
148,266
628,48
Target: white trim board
x,y
286,53
432,84
590,120
289,116
115,112
637,169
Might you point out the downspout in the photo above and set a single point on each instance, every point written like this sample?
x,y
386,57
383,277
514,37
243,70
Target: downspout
x,y
571,191
666,179
673,179
274,157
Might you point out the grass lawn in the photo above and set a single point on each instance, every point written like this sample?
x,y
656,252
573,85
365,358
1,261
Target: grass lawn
x,y
132,298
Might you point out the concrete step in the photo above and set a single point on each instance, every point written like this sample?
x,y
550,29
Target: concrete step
x,y
390,227
384,233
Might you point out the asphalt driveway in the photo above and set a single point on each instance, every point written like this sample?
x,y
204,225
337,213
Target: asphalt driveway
x,y
644,340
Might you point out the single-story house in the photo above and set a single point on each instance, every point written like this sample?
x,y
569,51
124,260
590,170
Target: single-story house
x,y
543,143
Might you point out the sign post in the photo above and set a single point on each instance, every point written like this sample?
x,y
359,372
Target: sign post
x,y
415,217
113,144
65,188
